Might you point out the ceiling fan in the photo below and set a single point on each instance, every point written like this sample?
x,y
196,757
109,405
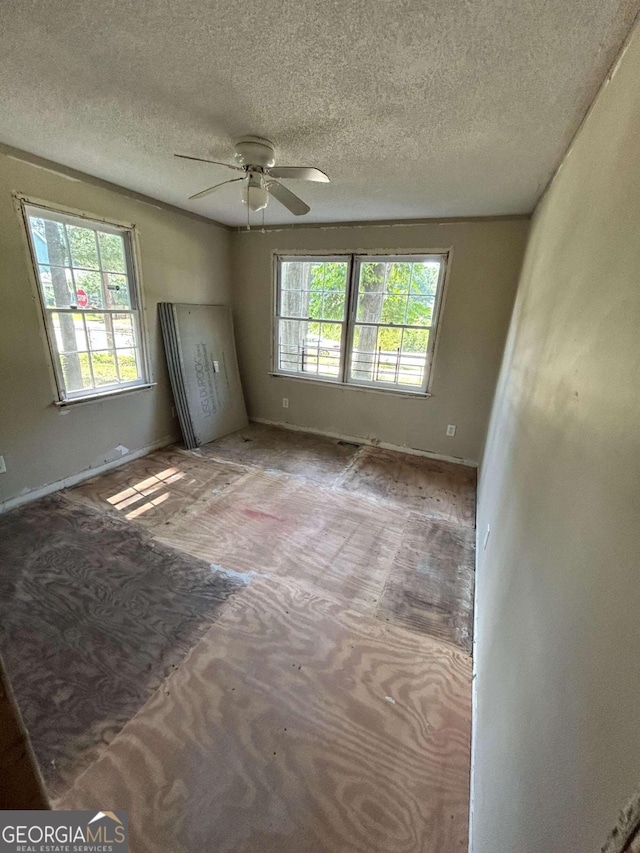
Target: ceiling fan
x,y
255,158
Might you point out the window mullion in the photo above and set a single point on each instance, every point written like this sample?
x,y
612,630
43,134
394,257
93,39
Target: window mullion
x,y
351,308
89,350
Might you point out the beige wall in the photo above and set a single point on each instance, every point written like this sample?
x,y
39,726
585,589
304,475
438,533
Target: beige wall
x,y
483,274
557,740
181,258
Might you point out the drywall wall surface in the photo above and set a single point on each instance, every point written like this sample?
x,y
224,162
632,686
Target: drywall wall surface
x,y
556,739
484,266
181,259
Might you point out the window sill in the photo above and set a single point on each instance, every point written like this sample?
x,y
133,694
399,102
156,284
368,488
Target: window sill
x,y
105,395
348,386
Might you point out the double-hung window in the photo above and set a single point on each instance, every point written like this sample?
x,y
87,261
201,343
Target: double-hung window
x,y
366,320
90,302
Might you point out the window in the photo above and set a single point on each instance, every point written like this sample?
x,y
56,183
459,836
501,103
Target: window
x,y
358,320
90,302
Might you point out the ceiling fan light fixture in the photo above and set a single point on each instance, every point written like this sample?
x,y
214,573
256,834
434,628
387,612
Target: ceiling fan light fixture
x,y
256,159
255,194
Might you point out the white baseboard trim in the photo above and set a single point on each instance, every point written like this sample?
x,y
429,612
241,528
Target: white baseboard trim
x,y
442,457
74,479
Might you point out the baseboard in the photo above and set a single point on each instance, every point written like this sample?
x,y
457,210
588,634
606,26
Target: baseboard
x,y
74,479
442,457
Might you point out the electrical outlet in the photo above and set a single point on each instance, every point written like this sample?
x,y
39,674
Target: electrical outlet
x,y
3,466
285,402
451,429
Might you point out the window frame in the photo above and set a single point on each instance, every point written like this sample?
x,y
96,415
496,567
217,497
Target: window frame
x,y
277,317
32,207
354,262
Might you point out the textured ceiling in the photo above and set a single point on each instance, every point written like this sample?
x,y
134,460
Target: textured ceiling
x,y
415,108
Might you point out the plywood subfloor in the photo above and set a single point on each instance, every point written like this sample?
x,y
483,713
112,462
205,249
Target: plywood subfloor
x,y
296,727
327,541
429,587
158,487
93,616
327,706
312,457
433,488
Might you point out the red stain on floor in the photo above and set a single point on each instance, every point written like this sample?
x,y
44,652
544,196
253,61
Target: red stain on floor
x,y
256,513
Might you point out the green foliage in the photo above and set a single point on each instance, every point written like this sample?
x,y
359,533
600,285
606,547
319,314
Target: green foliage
x,y
89,250
398,294
104,368
395,293
328,286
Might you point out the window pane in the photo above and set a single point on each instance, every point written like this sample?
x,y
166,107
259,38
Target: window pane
x,y
117,291
394,310
57,286
49,241
369,306
84,251
333,305
76,372
69,332
112,252
98,332
327,354
310,348
88,289
414,357
295,303
419,311
364,353
128,365
123,330
318,305
424,279
398,277
289,344
315,292
104,368
315,276
373,276
291,275
335,275
389,355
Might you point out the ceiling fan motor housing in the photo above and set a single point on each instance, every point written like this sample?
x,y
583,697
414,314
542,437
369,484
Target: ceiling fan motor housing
x,y
255,151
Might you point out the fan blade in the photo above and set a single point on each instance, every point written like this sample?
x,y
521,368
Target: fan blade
x,y
299,173
287,198
215,162
214,188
